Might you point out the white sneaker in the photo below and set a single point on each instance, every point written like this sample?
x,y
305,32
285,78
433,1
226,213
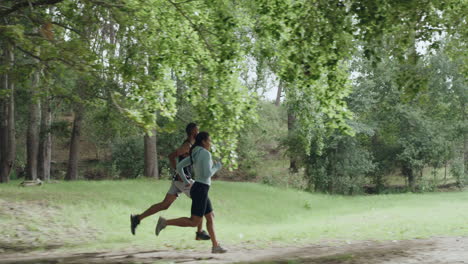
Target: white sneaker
x,y
218,250
161,225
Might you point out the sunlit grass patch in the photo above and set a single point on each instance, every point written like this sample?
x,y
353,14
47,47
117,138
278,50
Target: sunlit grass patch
x,y
95,215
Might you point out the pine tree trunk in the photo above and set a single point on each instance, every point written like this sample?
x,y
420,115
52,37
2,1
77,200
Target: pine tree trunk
x,y
151,162
151,156
72,171
32,140
45,143
7,119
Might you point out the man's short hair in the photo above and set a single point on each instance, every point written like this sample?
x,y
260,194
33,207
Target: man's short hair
x,y
190,127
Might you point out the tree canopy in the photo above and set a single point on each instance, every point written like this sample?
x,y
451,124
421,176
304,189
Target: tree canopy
x,y
138,54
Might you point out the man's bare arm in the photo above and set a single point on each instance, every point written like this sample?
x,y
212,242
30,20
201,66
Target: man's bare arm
x,y
185,148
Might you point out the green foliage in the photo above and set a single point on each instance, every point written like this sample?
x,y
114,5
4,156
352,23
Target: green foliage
x,y
310,41
416,133
228,109
457,170
259,140
342,167
275,172
12,33
127,157
101,171
197,43
395,133
104,125
139,56
261,152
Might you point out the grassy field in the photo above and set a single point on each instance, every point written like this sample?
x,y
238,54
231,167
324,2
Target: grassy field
x,y
87,215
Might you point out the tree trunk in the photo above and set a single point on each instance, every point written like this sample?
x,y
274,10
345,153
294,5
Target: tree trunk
x,y
278,95
408,172
7,119
291,122
445,172
32,140
465,143
151,156
3,119
45,143
72,170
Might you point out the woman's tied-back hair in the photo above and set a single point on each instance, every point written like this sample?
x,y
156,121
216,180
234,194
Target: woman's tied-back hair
x,y
198,142
189,128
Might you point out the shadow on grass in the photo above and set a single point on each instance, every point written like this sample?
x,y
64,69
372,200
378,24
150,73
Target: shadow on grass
x,y
347,256
22,248
330,256
336,259
97,257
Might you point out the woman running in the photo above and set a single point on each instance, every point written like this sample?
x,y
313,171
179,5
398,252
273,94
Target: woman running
x,y
177,186
203,169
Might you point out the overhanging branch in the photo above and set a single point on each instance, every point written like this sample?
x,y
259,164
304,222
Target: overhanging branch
x,y
67,27
25,4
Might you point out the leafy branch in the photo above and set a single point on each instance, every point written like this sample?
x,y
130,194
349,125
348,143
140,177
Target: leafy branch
x,y
194,26
25,4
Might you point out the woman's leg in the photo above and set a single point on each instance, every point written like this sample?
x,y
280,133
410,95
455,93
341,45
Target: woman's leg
x,y
193,221
210,226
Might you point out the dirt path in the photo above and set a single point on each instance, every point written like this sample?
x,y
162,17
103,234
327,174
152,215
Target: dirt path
x,y
427,251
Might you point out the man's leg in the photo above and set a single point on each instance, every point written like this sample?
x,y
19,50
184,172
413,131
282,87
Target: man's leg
x,y
164,205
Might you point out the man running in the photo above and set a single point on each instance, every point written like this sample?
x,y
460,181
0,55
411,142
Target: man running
x,y
177,187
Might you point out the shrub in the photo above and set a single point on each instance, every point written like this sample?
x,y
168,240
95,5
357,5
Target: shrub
x,y
128,157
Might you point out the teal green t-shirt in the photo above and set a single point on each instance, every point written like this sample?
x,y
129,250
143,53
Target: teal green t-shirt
x,y
203,167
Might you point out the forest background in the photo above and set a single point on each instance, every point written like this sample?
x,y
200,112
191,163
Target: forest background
x,y
369,97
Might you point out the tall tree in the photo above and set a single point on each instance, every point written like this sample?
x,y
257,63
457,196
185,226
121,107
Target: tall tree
x,y
32,141
293,166
151,156
45,141
7,113
74,155
447,101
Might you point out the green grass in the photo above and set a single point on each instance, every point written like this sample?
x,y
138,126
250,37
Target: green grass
x,y
95,215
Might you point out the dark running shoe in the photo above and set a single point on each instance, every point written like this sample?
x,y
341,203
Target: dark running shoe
x,y
203,235
134,222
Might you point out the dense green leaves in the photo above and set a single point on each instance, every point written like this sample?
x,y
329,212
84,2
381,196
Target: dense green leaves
x,y
138,55
395,133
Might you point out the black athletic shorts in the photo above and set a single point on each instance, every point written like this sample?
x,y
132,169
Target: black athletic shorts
x,y
201,204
